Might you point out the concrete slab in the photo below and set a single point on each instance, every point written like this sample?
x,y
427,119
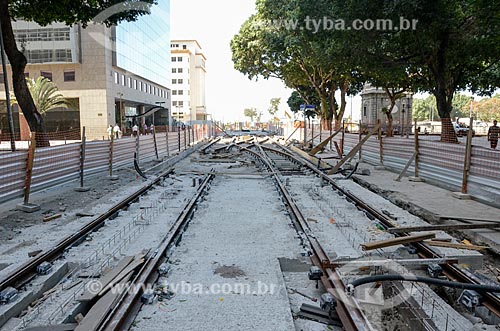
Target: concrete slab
x,y
461,196
28,208
414,179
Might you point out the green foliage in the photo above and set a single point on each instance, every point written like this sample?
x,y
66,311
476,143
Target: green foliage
x,y
45,12
295,101
274,106
488,109
250,113
46,95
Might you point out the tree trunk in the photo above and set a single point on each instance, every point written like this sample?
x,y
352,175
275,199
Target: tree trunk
x,y
326,124
389,125
18,64
444,106
326,113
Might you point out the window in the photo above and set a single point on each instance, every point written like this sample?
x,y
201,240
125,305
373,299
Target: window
x,y
174,81
180,81
140,86
364,111
117,78
174,103
174,92
174,70
181,103
46,74
129,82
180,70
179,59
181,92
135,84
174,59
69,76
184,46
123,79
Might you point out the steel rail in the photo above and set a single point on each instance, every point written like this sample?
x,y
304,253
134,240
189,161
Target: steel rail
x,y
348,309
27,271
453,272
123,314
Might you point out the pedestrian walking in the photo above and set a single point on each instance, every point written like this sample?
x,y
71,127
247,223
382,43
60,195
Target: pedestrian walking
x,y
152,128
493,133
135,130
117,131
110,131
145,129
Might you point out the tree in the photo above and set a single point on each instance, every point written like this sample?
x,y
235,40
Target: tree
x,y
45,12
250,113
295,101
299,57
45,95
455,46
487,109
274,106
425,109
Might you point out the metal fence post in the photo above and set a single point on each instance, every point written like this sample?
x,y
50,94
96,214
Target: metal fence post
x,y
82,163
360,138
381,146
468,154
156,145
189,135
26,206
179,138
111,152
342,141
185,146
168,147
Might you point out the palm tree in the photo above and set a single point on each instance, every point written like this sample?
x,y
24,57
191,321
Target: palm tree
x,y
46,97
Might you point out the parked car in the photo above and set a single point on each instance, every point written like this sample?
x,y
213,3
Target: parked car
x,y
462,130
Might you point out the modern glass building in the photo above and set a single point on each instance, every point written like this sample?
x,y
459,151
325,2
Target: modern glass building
x,y
110,73
143,46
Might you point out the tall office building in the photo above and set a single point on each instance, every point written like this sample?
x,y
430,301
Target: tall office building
x,y
188,81
111,73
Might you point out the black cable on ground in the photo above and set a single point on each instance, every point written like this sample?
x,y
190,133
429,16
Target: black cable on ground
x,y
426,280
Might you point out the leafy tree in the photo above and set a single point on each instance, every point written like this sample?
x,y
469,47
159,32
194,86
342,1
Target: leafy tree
x,y
298,56
460,106
425,109
250,113
455,46
296,100
274,106
45,12
487,109
45,95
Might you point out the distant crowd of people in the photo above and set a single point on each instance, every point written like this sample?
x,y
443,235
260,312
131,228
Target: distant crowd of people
x,y
116,133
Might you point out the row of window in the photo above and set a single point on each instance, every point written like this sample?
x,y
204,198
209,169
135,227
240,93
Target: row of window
x,y
42,34
48,55
179,92
121,79
178,103
177,59
177,46
177,70
69,75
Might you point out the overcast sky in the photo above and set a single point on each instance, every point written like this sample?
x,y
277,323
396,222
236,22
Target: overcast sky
x,y
228,91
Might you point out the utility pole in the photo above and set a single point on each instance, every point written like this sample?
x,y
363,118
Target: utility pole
x,y
7,95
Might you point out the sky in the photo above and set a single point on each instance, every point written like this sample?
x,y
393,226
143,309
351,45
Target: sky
x,y
229,92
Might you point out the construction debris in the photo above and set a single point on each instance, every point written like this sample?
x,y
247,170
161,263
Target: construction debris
x,y
396,241
51,218
455,245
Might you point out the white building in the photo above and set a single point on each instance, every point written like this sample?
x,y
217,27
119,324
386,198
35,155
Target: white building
x,y
188,81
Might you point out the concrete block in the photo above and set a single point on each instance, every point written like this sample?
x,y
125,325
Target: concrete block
x,y
28,208
415,179
461,196
82,189
113,177
364,172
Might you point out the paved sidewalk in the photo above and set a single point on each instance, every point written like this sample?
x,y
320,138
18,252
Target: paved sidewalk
x,y
430,202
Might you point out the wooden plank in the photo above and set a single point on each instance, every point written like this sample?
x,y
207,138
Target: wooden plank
x,y
314,160
131,267
454,245
461,218
100,310
369,263
405,169
107,278
325,142
53,327
396,241
444,227
353,151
